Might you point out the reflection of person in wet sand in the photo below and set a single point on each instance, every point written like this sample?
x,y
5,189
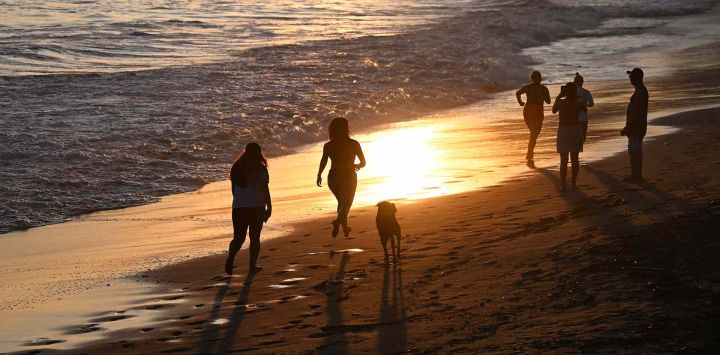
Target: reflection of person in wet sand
x,y
342,179
536,94
569,133
251,203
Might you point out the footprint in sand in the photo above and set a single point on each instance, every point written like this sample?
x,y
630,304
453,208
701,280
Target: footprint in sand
x,y
262,335
173,298
288,282
317,266
83,329
153,307
219,321
43,342
282,272
111,318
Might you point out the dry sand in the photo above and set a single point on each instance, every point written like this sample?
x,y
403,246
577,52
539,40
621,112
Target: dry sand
x,y
516,267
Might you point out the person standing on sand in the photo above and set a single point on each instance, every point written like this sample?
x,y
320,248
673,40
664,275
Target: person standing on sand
x,y
533,114
342,178
251,203
586,100
636,124
569,134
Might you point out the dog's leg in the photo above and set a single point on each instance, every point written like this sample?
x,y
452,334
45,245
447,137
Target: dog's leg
x,y
384,245
399,235
392,242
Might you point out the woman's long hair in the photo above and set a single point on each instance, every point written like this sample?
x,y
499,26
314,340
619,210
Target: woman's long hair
x,y
570,92
248,160
339,128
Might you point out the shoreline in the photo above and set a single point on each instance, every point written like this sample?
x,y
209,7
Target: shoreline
x,y
547,271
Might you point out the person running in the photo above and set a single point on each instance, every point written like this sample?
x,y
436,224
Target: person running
x,y
636,124
342,178
251,204
569,134
586,100
533,114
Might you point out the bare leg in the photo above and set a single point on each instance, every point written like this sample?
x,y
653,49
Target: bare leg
x,y
348,198
575,157
384,245
563,170
240,228
333,184
255,229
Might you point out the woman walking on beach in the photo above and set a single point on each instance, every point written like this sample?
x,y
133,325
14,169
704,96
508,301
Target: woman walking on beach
x,y
342,179
536,94
569,133
251,203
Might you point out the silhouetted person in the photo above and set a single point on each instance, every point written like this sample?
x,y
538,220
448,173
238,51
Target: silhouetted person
x,y
342,179
251,203
636,124
586,100
533,114
569,133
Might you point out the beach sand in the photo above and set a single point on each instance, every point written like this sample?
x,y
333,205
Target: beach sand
x,y
517,267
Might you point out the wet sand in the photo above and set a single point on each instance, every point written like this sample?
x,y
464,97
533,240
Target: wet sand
x,y
517,267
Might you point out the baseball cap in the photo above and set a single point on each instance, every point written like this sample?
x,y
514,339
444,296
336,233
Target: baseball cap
x,y
636,72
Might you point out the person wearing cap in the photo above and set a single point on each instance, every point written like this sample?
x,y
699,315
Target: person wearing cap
x,y
533,111
586,100
636,124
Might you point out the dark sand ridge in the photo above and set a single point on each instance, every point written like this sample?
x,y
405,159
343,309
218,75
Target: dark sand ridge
x,y
514,268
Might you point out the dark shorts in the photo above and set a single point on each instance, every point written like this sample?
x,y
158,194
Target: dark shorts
x,y
248,217
533,115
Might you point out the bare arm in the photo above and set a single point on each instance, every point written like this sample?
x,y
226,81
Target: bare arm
x,y
546,92
360,156
323,163
518,96
556,105
268,202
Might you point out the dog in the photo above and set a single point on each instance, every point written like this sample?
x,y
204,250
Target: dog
x,y
388,228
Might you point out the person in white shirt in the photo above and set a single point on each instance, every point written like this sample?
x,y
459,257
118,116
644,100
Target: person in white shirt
x,y
251,205
586,100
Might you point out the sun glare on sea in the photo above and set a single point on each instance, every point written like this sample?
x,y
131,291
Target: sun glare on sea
x,y
404,165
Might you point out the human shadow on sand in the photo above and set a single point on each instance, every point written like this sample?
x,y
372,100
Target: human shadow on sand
x,y
210,338
655,264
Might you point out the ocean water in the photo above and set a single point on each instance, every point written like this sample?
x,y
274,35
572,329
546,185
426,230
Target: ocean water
x,y
105,104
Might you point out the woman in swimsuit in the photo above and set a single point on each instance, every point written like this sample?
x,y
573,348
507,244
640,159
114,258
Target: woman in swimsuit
x,y
342,178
